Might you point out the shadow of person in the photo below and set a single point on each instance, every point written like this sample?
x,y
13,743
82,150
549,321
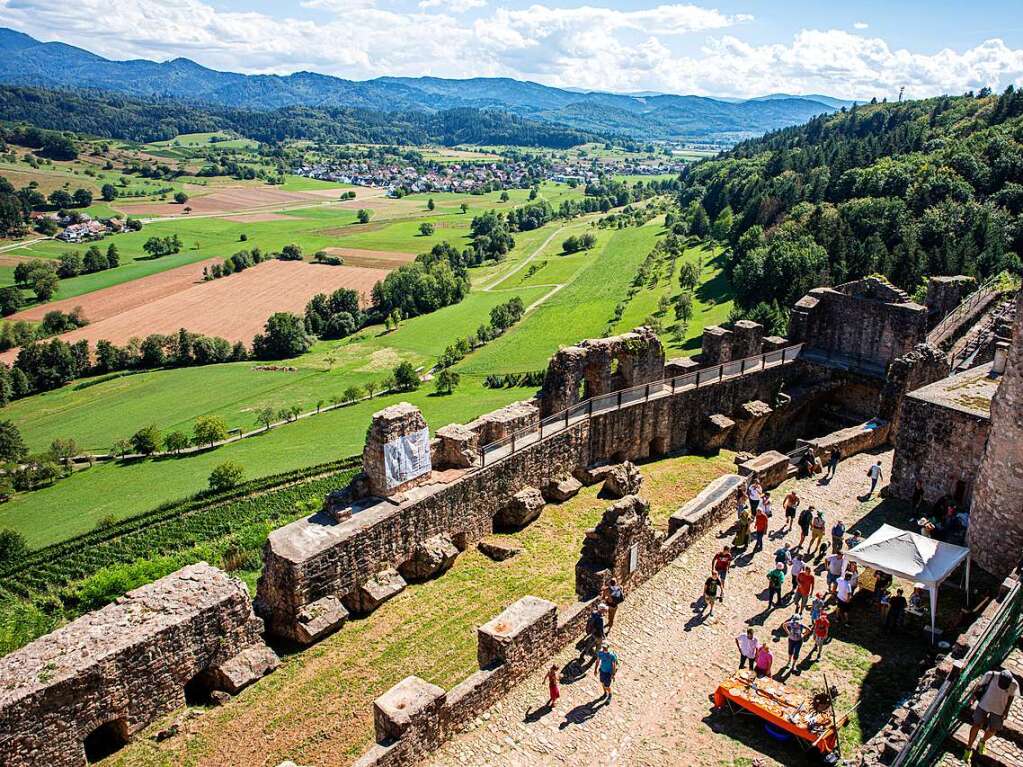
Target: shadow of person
x,y
574,670
584,712
696,620
537,714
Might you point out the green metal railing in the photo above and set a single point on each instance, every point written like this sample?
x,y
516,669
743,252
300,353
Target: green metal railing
x,y
927,743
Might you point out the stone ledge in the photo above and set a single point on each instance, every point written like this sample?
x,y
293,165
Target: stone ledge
x,y
701,512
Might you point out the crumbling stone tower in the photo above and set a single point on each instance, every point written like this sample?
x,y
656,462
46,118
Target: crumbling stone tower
x,y
996,522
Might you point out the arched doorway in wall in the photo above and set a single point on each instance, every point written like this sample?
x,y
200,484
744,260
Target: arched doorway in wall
x,y
105,740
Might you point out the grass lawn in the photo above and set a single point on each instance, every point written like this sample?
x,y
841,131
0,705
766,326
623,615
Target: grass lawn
x,y
712,300
428,630
581,310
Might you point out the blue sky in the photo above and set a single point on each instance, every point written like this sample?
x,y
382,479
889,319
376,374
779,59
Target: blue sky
x,y
736,49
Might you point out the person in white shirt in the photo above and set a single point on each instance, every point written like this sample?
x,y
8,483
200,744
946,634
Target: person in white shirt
x,y
875,474
754,493
844,593
797,568
993,695
748,646
836,568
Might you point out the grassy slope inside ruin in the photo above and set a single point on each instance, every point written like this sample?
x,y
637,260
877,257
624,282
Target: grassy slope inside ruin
x,y
317,709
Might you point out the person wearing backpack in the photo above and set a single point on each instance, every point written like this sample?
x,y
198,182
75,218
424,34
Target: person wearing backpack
x,y
993,698
612,595
775,580
838,537
805,518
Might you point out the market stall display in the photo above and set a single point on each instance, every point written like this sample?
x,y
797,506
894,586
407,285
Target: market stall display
x,y
806,715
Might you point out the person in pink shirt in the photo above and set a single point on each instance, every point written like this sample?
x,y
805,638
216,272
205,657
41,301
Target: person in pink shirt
x,y
764,661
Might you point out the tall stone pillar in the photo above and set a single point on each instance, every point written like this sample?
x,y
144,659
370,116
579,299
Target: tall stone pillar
x,y
996,522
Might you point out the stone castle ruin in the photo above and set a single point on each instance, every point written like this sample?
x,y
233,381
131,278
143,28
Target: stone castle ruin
x,y
858,372
83,691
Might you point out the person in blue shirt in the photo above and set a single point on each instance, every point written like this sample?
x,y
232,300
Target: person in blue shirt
x,y
606,668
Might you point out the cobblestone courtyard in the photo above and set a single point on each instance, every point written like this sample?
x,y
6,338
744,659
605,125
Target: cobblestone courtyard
x,y
671,661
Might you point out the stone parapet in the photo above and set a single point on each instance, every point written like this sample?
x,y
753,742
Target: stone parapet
x,y
396,457
100,679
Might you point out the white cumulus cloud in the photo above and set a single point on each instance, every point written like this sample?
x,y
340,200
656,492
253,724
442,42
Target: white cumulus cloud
x,y
861,25
671,47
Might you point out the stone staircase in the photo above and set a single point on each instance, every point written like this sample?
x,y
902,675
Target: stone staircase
x,y
1006,748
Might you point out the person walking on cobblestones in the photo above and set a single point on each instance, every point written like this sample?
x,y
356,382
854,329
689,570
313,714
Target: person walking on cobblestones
x,y
805,518
833,460
804,588
791,504
775,580
612,595
760,528
719,567
876,475
821,627
817,527
606,668
993,698
796,633
554,692
711,593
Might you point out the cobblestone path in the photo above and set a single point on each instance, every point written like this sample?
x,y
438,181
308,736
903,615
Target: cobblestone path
x,y
670,663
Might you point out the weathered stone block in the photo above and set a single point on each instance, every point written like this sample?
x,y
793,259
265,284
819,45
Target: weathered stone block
x,y
431,557
337,505
516,636
319,618
771,468
409,466
715,432
243,669
381,587
458,446
623,479
717,345
681,366
561,490
591,475
498,550
523,508
705,509
412,704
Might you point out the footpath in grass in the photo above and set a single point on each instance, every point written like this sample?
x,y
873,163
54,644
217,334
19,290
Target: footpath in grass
x,y
317,709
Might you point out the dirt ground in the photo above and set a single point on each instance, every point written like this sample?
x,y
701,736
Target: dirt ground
x,y
233,307
240,199
372,259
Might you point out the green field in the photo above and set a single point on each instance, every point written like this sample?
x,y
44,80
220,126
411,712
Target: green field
x,y
573,297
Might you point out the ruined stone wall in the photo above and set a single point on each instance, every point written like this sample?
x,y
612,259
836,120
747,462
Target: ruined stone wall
x,y
599,366
938,445
321,558
315,558
946,293
866,320
127,664
920,367
996,529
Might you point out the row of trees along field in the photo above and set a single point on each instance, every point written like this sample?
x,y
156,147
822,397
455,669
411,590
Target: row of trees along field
x,y
906,190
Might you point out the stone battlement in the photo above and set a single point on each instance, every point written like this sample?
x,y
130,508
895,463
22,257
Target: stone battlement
x,y
107,675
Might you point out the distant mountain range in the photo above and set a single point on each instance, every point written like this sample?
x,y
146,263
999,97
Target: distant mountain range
x,y
27,61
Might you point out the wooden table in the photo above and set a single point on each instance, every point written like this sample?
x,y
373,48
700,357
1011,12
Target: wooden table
x,y
783,707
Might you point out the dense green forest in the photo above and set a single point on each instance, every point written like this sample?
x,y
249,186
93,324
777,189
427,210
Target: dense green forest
x,y
113,116
907,190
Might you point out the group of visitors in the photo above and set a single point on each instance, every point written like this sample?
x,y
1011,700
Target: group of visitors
x,y
792,580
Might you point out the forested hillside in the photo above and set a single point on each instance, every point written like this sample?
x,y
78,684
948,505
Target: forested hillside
x,y
114,116
907,190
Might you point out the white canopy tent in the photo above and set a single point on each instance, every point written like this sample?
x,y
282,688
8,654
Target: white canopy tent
x,y
913,557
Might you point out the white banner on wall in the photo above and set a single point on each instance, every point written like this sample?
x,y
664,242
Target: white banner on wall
x,y
407,457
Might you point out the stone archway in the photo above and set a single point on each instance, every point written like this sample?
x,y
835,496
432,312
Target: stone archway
x,y
105,740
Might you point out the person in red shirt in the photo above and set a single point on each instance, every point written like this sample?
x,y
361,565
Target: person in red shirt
x,y
821,627
804,588
722,561
759,529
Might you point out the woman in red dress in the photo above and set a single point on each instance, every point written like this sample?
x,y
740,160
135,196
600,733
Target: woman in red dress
x,y
552,684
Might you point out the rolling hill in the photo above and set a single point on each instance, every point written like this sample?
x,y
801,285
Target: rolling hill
x,y
29,62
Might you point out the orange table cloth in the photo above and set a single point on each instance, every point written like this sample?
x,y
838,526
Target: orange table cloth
x,y
724,694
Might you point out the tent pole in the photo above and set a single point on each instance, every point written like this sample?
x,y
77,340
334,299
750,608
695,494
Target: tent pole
x,y
968,560
934,607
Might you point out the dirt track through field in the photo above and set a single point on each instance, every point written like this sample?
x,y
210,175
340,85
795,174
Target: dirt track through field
x,y
109,302
233,307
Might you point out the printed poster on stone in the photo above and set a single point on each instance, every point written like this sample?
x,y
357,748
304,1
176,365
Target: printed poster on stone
x,y
407,457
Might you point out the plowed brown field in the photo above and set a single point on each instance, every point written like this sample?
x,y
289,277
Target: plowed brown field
x,y
372,259
233,307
